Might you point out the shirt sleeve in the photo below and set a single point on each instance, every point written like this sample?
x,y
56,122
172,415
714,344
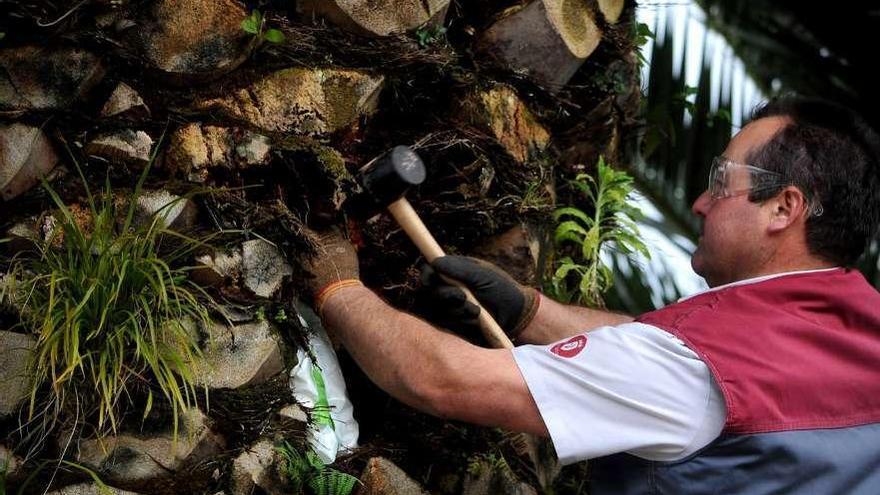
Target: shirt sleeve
x,y
630,388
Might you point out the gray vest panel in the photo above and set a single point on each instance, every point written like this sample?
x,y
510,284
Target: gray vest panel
x,y
840,461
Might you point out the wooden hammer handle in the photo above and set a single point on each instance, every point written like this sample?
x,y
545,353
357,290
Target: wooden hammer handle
x,y
410,222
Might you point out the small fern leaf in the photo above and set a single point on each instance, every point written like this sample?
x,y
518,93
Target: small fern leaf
x,y
329,481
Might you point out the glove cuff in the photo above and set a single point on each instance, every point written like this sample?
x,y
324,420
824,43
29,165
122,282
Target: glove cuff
x,y
530,309
329,290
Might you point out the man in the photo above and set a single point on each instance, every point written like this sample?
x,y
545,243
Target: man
x,y
767,383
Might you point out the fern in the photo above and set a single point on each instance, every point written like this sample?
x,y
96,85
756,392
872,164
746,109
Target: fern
x,y
580,275
307,470
329,481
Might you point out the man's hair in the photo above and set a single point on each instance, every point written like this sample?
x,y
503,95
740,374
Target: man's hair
x,y
833,156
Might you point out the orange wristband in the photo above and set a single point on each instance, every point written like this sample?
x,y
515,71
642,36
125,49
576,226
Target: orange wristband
x,y
324,294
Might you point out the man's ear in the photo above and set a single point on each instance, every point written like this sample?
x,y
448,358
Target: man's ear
x,y
787,208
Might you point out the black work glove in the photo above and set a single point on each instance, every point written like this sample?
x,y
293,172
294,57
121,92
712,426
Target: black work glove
x,y
512,305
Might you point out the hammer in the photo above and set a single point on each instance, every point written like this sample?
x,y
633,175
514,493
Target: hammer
x,y
386,180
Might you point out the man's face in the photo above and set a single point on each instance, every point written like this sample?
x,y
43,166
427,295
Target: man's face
x,y
733,244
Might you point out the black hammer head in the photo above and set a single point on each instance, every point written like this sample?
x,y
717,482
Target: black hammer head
x,y
387,179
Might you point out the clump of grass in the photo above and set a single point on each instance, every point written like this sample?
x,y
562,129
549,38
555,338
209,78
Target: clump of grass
x,y
113,311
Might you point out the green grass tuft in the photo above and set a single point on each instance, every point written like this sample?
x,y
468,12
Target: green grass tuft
x,y
113,311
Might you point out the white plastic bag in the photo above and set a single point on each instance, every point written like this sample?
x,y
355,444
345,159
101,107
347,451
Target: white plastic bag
x,y
321,388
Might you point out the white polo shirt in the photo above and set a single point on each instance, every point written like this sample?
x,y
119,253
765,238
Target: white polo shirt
x,y
629,388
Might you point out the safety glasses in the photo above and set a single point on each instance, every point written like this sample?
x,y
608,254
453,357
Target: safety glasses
x,y
725,181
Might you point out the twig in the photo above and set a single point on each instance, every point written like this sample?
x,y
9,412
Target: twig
x,y
56,21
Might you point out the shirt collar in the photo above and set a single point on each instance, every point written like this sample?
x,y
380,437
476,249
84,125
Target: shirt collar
x,y
758,279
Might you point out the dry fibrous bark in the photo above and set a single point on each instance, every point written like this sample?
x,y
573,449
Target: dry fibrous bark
x,y
377,18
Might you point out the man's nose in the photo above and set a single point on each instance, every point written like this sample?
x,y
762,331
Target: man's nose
x,y
702,204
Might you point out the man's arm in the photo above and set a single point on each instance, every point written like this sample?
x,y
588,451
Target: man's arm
x,y
554,321
428,369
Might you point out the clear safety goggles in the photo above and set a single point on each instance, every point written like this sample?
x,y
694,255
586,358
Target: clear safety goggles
x,y
724,184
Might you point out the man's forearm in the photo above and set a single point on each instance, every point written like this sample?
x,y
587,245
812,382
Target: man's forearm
x,y
554,321
398,351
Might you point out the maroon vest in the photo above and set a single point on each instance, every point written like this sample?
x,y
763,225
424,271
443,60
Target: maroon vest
x,y
797,359
793,352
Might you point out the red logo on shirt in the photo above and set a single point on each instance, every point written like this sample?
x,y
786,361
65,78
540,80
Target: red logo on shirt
x,y
571,347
